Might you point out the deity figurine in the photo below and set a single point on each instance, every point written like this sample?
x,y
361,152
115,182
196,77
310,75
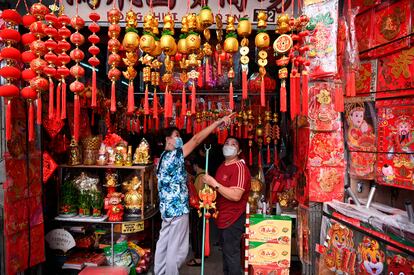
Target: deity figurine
x,y
111,181
131,19
120,154
133,198
142,153
113,206
102,158
75,155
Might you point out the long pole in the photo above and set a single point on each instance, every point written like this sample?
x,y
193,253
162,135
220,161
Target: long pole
x,y
207,148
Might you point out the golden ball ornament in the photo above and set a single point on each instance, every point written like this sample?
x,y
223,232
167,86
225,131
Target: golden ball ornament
x,y
156,51
182,46
147,43
244,28
193,42
167,42
262,40
172,51
131,41
231,45
206,17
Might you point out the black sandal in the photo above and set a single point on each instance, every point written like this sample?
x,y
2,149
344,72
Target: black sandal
x,y
193,262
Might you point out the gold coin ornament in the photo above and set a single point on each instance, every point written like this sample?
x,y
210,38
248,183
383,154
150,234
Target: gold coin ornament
x,y
262,42
244,29
283,44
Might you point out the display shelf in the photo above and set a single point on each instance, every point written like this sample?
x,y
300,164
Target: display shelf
x,y
134,167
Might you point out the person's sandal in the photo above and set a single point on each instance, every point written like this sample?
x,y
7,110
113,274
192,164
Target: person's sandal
x,y
193,262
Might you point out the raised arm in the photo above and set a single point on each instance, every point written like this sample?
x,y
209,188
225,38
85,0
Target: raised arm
x,y
198,138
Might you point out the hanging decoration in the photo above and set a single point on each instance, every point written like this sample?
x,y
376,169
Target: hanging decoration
x,y
77,71
231,46
219,49
63,59
181,58
206,20
262,42
51,59
244,29
11,36
94,51
130,44
114,16
38,47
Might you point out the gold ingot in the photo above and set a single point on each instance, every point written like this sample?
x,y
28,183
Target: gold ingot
x,y
147,43
167,42
262,40
231,45
130,41
206,17
193,42
156,51
244,28
182,46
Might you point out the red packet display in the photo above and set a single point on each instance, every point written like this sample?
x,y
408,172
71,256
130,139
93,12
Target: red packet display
x,y
339,251
364,23
325,183
396,72
323,26
366,79
395,164
361,140
326,149
322,115
392,22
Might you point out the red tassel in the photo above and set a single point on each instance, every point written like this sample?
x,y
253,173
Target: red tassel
x,y
76,117
166,103
39,110
8,120
170,104
339,98
305,96
93,103
219,69
155,105
297,94
207,239
184,102
146,101
292,96
283,97
189,124
193,99
231,98
51,98
262,93
244,84
131,103
63,114
150,119
58,100
207,71
31,121
239,131
113,98
250,157
200,77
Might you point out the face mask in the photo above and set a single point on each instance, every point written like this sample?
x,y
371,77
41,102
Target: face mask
x,y
178,142
229,151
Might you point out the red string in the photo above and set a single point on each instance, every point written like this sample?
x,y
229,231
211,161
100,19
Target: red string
x,y
58,100
63,114
93,103
39,110
8,120
51,98
76,118
231,98
113,98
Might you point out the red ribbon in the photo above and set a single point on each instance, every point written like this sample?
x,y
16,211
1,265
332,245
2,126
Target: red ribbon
x,y
113,97
39,110
231,96
131,103
283,97
93,103
8,120
76,117
51,98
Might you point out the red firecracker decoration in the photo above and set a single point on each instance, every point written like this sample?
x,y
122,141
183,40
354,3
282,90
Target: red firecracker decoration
x,y
114,16
76,70
94,51
10,71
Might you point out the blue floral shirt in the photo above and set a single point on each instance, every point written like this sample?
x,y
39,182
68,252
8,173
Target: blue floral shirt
x,y
172,184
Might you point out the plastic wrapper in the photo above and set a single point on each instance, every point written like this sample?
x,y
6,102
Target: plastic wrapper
x,y
323,26
122,255
352,55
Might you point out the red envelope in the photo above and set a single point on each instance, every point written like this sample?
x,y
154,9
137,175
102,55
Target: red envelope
x,y
326,149
366,78
364,24
325,183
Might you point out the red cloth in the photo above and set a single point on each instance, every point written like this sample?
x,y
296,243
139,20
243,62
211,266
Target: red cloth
x,y
234,175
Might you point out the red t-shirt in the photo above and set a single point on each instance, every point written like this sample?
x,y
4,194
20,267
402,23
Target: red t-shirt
x,y
234,175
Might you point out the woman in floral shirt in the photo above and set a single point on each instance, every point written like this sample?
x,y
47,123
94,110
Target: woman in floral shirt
x,y
173,243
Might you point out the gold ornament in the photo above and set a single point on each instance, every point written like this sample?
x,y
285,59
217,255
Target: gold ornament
x,y
167,43
244,28
193,42
182,46
156,51
147,43
262,40
206,17
231,45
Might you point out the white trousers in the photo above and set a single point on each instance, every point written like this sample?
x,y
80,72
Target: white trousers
x,y
172,246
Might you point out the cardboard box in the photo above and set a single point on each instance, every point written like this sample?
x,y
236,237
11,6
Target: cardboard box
x,y
274,229
276,255
267,270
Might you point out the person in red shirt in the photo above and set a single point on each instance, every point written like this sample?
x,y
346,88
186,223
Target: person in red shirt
x,y
232,183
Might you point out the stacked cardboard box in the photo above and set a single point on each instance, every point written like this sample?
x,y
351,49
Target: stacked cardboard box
x,y
270,244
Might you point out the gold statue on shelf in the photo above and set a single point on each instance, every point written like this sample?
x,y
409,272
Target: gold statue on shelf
x,y
133,198
120,154
142,153
75,156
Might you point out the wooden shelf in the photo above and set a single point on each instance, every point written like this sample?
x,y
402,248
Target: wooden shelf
x,y
134,167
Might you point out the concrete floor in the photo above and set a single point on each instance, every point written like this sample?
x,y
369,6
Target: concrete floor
x,y
213,264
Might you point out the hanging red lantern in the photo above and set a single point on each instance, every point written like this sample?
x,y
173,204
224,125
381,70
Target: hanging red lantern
x,y
76,71
10,71
51,58
94,51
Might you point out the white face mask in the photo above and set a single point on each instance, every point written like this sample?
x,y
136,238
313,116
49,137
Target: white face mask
x,y
229,151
